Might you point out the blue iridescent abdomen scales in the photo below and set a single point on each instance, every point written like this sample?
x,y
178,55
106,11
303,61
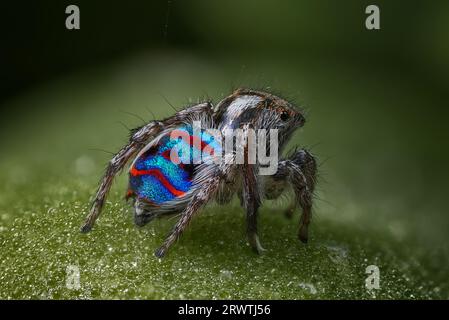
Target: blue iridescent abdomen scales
x,y
155,178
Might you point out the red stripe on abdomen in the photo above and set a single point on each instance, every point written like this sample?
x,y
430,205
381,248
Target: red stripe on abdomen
x,y
158,175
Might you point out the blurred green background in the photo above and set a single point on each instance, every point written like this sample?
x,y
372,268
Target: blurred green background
x,y
377,110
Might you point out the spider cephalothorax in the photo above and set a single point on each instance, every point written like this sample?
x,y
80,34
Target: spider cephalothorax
x,y
161,183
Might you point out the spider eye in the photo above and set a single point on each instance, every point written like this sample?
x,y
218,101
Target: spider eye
x,y
284,116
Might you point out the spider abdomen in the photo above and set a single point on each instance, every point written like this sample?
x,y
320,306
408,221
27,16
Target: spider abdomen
x,y
156,177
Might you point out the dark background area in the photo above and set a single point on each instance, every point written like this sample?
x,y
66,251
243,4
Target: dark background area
x,y
36,47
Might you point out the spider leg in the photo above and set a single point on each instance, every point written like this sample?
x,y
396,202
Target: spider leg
x,y
300,171
136,143
274,186
205,193
251,201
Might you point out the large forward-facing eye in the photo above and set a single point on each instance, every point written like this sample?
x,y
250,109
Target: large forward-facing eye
x,y
284,116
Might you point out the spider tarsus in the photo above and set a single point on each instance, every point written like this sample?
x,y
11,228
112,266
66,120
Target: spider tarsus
x,y
86,228
160,253
255,244
303,234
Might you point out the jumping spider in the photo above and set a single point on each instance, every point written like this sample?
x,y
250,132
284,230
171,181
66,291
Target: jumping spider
x,y
160,187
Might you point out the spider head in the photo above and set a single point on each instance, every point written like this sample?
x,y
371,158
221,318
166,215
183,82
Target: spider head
x,y
264,111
